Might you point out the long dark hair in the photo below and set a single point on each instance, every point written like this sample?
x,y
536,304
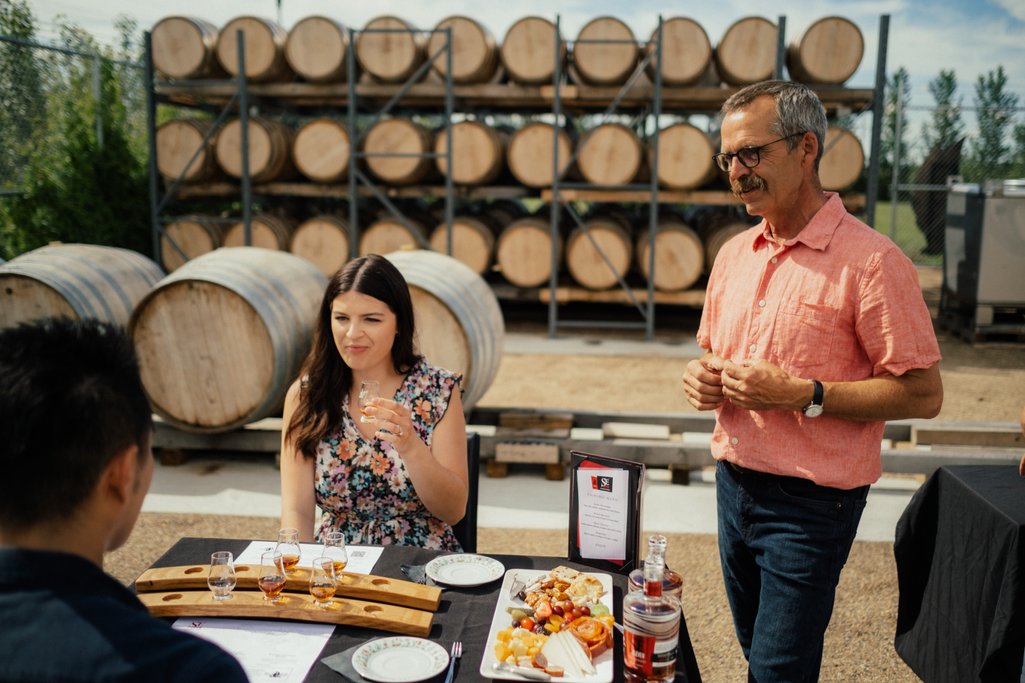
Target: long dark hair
x,y
326,377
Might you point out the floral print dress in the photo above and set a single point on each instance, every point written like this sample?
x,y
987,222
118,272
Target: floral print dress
x,y
362,486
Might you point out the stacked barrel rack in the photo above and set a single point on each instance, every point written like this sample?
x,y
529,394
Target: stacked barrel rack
x,y
370,120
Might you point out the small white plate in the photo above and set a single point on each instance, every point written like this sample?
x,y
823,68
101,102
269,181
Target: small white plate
x,y
400,659
462,569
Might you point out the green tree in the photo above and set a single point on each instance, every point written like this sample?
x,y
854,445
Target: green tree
x,y
990,151
21,91
894,133
945,127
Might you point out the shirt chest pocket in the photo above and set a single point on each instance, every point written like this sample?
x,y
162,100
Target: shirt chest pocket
x,y
804,334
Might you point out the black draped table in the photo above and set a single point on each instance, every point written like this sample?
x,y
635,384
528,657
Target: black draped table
x,y
960,560
465,613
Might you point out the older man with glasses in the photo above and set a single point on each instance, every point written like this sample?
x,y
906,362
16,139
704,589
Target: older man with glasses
x,y
816,333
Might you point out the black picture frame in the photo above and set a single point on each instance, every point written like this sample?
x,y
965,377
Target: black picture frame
x,y
579,459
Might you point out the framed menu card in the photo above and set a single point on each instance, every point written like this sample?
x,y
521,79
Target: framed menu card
x,y
605,504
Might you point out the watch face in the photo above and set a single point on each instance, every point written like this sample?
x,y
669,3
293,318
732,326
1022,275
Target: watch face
x,y
814,410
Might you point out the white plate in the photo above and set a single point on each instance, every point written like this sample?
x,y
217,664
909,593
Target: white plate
x,y
603,662
400,659
462,569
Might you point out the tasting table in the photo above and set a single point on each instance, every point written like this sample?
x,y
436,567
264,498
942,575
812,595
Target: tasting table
x,y
960,553
464,614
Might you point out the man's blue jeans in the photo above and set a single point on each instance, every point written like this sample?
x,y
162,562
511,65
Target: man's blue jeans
x,y
782,544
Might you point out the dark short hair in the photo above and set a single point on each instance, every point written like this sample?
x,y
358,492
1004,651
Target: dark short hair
x,y
798,109
71,398
319,408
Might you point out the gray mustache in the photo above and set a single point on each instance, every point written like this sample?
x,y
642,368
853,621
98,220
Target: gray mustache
x,y
746,184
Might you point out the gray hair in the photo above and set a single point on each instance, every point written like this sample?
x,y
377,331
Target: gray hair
x,y
798,109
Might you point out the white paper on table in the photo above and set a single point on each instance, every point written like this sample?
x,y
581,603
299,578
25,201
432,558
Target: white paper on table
x,y
603,500
362,558
267,650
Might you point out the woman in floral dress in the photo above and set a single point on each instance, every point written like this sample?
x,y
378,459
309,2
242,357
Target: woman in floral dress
x,y
401,479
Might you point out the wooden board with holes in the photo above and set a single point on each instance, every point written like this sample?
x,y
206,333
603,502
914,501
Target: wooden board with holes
x,y
292,606
359,586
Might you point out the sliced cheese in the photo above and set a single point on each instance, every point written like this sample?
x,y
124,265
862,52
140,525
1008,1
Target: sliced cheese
x,y
564,650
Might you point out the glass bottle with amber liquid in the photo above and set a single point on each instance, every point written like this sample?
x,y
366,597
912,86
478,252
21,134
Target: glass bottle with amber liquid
x,y
672,582
651,621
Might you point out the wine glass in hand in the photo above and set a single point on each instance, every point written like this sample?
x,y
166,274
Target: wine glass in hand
x,y
368,390
272,575
322,581
221,579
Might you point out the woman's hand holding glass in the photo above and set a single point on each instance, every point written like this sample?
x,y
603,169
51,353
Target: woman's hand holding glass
x,y
394,423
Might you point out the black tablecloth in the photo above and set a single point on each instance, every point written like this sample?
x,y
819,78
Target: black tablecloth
x,y
959,551
465,613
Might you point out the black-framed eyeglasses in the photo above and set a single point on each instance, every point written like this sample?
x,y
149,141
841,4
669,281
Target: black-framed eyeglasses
x,y
749,157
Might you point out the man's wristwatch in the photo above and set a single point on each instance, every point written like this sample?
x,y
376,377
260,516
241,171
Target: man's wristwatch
x,y
814,409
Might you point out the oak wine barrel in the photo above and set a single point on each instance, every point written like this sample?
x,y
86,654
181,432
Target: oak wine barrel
x,y
685,157
184,48
323,240
473,241
320,150
528,51
317,48
268,231
686,52
605,62
599,256
843,159
747,52
387,233
609,154
75,281
523,252
829,52
265,48
270,144
679,254
459,324
390,49
474,51
718,233
193,235
478,152
529,155
221,339
177,142
398,135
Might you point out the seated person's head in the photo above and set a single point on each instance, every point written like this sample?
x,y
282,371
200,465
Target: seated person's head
x,y
75,435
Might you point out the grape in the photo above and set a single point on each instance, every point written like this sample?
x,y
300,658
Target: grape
x,y
585,611
557,609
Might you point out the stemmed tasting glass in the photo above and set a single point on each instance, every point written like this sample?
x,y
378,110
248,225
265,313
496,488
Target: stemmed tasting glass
x,y
288,546
221,579
322,581
334,549
272,575
369,389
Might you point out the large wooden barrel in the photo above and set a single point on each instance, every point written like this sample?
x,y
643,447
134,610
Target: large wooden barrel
x,y
829,52
193,236
390,49
184,47
387,233
679,254
317,48
603,62
686,52
747,52
268,231
459,324
265,48
177,141
75,281
478,152
843,159
323,240
685,157
528,51
599,256
398,135
609,154
529,155
222,338
474,52
717,234
320,150
523,252
270,142
473,241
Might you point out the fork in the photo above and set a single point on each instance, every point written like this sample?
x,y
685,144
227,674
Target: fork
x,y
454,654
